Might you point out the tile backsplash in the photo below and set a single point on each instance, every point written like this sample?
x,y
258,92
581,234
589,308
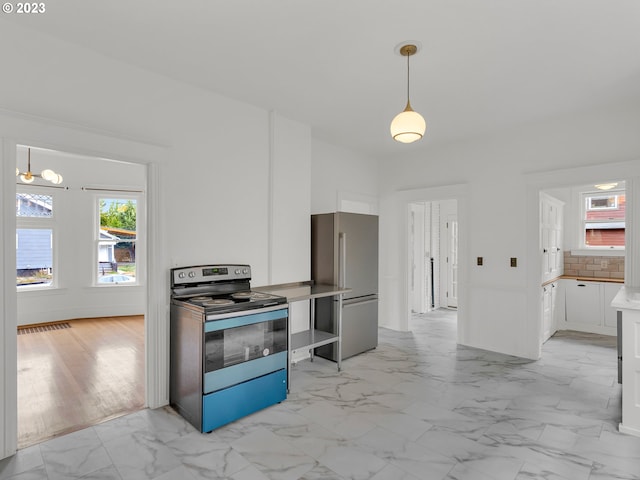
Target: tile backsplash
x,y
589,266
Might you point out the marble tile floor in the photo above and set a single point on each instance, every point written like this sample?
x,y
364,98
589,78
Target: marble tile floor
x,y
417,407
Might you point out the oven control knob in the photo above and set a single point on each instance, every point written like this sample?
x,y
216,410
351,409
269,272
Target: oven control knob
x,y
245,271
237,271
192,274
181,275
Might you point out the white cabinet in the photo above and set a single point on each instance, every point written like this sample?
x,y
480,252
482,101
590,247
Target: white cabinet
x,y
549,309
551,213
588,306
583,302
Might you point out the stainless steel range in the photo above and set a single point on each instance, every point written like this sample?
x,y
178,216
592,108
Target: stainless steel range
x,y
228,345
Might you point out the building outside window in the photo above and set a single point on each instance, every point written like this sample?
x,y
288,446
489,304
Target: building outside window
x,y
35,246
603,220
116,241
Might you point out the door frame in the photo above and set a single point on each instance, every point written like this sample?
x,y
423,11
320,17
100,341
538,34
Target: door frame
x,y
537,182
451,218
20,129
395,298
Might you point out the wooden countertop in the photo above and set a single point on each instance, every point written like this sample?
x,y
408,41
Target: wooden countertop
x,y
586,279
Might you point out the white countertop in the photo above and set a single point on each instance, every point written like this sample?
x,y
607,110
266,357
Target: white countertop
x,y
627,298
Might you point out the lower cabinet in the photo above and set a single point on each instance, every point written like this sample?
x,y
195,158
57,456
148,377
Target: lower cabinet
x,y
583,300
588,306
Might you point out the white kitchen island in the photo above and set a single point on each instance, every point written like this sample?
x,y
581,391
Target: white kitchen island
x,y
628,302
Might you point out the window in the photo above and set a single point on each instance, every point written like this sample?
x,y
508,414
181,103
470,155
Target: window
x,y
35,252
601,203
117,234
603,220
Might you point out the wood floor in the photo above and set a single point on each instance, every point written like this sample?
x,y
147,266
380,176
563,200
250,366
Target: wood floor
x,y
71,378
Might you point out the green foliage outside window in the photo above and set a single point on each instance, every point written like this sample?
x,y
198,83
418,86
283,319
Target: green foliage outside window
x,y
115,214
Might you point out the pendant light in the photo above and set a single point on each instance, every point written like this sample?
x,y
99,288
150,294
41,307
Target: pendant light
x,y
29,177
408,126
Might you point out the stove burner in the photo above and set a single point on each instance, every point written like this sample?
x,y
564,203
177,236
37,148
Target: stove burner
x,y
242,296
200,299
217,302
259,295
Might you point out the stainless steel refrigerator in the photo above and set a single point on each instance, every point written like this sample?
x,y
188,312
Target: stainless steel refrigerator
x,y
344,252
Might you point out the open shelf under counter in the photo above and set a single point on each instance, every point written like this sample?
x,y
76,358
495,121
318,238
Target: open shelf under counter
x,y
311,338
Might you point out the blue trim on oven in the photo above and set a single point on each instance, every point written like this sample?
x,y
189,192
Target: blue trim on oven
x,y
225,406
228,376
239,321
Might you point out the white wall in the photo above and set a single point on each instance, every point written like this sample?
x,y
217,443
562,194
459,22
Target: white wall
x,y
342,177
290,226
211,178
496,311
75,295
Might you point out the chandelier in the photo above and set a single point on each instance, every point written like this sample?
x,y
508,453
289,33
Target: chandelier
x,y
29,176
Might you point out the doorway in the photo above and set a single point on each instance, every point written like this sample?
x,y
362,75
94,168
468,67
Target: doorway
x,y
582,252
62,280
433,259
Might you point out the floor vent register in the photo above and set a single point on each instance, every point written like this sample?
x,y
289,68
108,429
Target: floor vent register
x,y
47,327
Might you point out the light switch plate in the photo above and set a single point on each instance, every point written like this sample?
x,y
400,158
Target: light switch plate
x,y
480,260
514,262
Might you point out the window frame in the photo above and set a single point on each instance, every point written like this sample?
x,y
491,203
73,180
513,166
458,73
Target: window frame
x,y
584,196
41,223
138,197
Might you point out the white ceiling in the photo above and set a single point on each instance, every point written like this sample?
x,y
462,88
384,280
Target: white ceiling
x,y
484,65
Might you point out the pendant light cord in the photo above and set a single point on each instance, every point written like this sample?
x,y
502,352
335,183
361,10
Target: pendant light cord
x,y
408,79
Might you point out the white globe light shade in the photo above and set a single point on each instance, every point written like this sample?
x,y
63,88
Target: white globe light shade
x,y
47,174
17,171
57,179
27,179
408,126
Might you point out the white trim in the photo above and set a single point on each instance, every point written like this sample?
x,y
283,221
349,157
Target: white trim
x,y
356,203
157,314
632,239
47,133
395,296
572,177
8,323
271,194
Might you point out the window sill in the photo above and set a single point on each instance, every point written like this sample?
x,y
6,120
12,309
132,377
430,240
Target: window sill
x,y
50,290
608,252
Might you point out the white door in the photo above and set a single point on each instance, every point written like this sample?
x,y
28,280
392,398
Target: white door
x,y
452,261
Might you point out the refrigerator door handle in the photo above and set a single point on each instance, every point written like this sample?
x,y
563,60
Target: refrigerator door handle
x,y
342,259
357,301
